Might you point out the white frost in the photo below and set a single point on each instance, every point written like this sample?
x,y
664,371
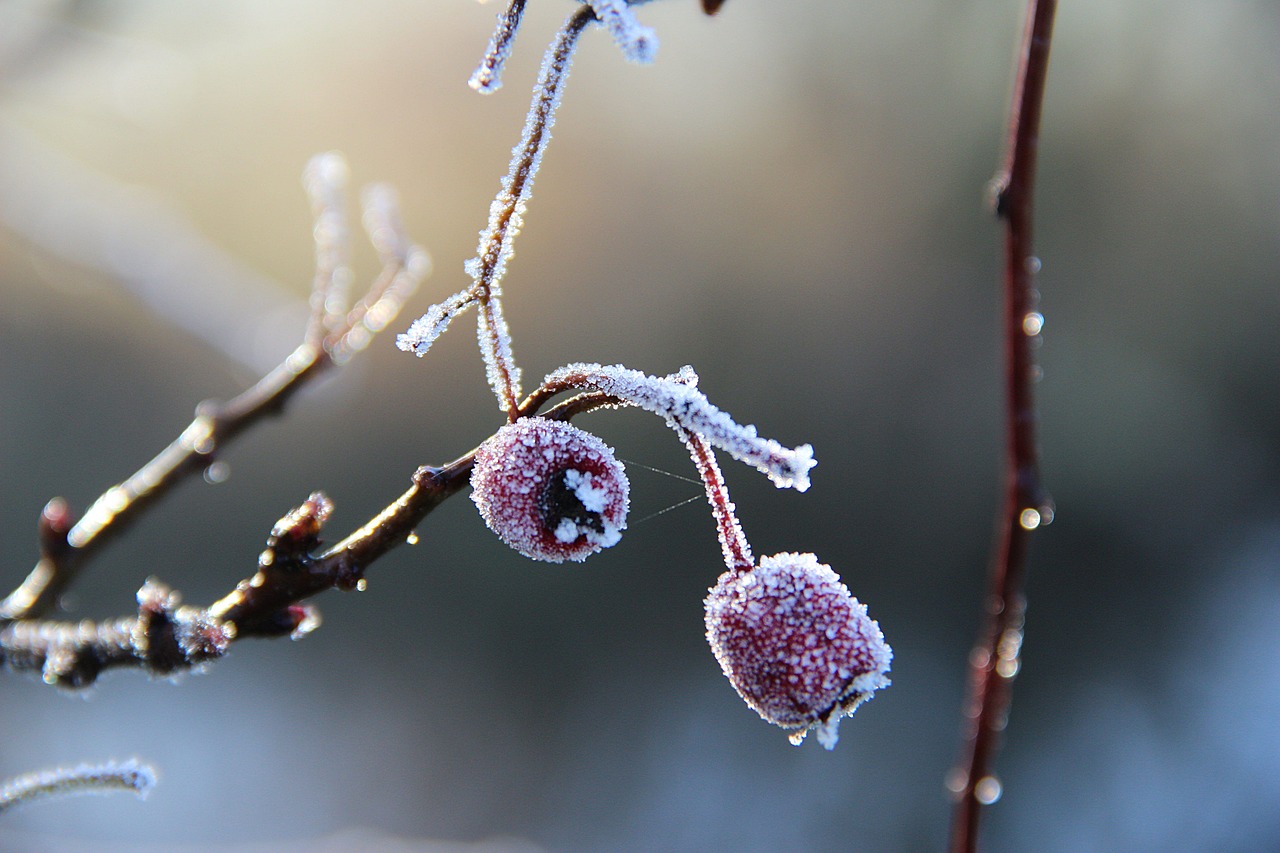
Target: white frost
x,y
676,399
592,497
506,215
828,731
638,42
487,78
423,331
567,530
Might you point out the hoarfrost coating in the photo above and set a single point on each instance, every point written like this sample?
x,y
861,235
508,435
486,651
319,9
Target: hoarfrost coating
x,y
638,42
506,214
676,399
550,490
487,78
798,648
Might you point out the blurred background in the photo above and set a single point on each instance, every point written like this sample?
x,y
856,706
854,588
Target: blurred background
x,y
790,199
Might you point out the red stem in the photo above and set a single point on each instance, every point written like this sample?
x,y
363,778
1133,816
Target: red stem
x,y
993,662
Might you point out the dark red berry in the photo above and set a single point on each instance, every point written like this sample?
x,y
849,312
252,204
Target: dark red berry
x,y
550,490
798,648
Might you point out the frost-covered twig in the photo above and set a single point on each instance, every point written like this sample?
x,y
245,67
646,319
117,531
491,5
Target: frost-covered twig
x,y
638,43
82,779
66,545
506,215
166,639
487,77
994,661
506,212
676,399
404,266
163,639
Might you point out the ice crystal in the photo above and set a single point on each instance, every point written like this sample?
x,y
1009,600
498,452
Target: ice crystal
x,y
798,648
506,215
550,490
638,42
677,399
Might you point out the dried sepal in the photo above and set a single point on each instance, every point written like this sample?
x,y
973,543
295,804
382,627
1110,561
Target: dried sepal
x,y
798,648
677,399
550,490
712,6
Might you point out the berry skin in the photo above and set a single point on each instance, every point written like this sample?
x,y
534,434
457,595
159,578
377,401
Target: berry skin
x,y
798,648
550,490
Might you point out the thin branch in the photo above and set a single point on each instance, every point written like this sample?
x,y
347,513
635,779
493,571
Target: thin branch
x,y
83,779
66,546
994,661
166,639
637,42
677,399
506,214
325,181
287,573
733,542
487,78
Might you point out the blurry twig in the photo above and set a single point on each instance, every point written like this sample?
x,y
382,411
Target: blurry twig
x,y
165,638
83,779
994,660
66,545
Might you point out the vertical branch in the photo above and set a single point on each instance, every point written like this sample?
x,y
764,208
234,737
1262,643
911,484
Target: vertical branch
x,y
325,181
506,213
994,660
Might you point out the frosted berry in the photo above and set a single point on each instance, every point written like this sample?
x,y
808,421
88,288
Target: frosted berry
x,y
798,648
550,490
